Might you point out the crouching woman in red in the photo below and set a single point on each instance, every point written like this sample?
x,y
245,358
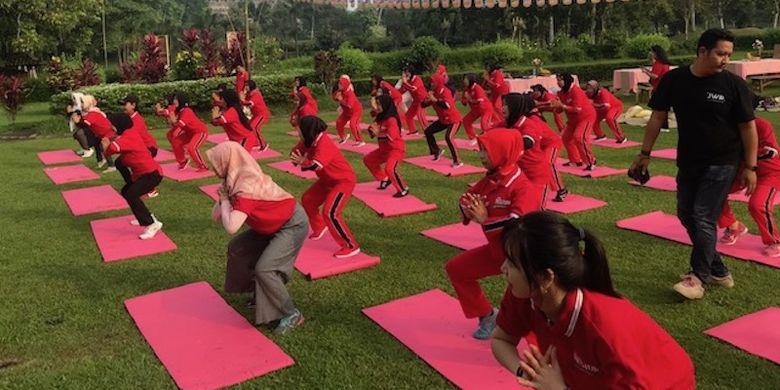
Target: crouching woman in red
x,y
232,119
502,195
187,133
587,335
260,259
387,129
146,174
317,152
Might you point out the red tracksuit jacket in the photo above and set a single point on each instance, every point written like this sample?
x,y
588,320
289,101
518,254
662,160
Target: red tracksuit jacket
x,y
397,97
535,161
478,98
241,79
140,124
326,160
133,153
416,87
307,106
768,160
496,83
580,107
389,137
234,129
257,104
189,123
445,104
602,342
606,97
99,124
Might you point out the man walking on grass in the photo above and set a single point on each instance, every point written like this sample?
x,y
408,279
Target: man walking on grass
x,y
717,145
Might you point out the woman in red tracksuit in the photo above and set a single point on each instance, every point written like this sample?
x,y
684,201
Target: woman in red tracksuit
x,y
351,110
146,172
480,106
661,65
505,193
543,99
582,333
232,119
188,133
494,81
413,83
96,126
242,77
317,152
387,129
581,115
260,112
762,200
380,86
305,104
541,144
608,108
449,120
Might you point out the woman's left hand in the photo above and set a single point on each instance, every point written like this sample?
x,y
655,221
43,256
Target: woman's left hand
x,y
541,371
296,157
222,193
215,112
475,207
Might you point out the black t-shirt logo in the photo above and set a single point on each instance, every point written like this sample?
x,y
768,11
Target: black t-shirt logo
x,y
715,97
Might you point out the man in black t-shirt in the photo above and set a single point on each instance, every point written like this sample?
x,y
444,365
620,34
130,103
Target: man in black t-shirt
x,y
717,142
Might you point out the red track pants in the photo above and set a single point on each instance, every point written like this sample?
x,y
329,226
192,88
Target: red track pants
x,y
332,198
761,207
465,270
576,139
485,121
353,118
610,116
391,159
189,143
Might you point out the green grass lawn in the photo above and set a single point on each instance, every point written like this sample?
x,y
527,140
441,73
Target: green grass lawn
x,y
63,323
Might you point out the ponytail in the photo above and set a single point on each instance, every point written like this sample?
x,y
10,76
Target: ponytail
x,y
542,241
232,101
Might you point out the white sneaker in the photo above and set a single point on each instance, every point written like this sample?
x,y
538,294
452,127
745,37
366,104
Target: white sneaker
x,y
438,155
359,144
345,139
151,231
109,170
473,142
102,163
456,165
135,222
86,153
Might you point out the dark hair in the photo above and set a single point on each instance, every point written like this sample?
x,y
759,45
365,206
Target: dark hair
x,y
539,88
493,67
472,78
183,101
252,85
120,121
311,126
169,98
334,88
232,100
378,79
221,87
568,80
517,105
388,109
301,81
544,240
660,54
710,38
411,69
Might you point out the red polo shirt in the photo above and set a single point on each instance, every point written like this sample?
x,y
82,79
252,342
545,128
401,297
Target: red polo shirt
x,y
99,124
389,137
140,124
263,216
133,153
235,130
257,104
580,107
768,159
416,87
328,162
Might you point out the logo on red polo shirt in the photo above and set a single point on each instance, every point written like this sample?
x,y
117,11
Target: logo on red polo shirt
x,y
589,368
502,203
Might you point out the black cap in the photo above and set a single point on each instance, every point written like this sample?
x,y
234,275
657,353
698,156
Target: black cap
x,y
129,99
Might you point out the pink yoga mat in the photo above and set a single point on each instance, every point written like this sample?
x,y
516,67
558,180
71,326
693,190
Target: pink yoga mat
x,y
70,174
350,147
268,153
755,333
574,204
444,166
441,336
667,154
316,259
457,235
383,202
202,341
117,239
663,225
164,155
287,166
668,183
171,170
600,171
363,126
610,143
413,137
463,144
94,200
210,190
58,157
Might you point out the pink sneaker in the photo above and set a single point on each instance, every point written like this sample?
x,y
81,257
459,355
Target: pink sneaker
x,y
690,287
343,253
772,250
730,236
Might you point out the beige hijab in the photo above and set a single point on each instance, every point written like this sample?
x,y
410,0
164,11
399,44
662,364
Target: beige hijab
x,y
242,175
89,103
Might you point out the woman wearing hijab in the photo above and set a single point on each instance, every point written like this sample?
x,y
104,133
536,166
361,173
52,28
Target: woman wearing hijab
x,y
495,83
501,196
305,104
442,101
580,116
232,119
351,110
317,152
475,98
96,127
387,129
261,258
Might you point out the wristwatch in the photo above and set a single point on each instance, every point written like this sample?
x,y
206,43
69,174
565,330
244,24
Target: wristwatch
x,y
645,153
753,168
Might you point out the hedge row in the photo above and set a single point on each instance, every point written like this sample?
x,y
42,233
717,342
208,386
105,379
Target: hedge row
x,y
275,90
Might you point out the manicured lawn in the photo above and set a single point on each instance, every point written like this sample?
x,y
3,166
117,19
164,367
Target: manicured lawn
x,y
63,323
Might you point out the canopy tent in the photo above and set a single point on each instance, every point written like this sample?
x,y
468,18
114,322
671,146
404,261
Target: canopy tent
x,y
406,4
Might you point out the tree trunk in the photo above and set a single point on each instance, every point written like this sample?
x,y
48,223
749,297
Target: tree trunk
x,y
551,37
593,21
777,13
693,14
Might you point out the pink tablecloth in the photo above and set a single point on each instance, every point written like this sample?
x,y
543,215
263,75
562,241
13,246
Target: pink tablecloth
x,y
746,69
524,85
626,80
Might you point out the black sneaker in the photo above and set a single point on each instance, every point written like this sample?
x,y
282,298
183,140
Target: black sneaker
x,y
621,141
561,195
401,194
438,155
599,139
383,184
590,167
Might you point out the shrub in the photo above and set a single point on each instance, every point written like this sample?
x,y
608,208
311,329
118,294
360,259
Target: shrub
x,y
501,53
39,90
426,53
267,52
208,44
461,58
186,65
152,64
567,50
326,65
59,75
275,89
12,95
639,46
113,75
353,62
87,74
390,62
233,55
